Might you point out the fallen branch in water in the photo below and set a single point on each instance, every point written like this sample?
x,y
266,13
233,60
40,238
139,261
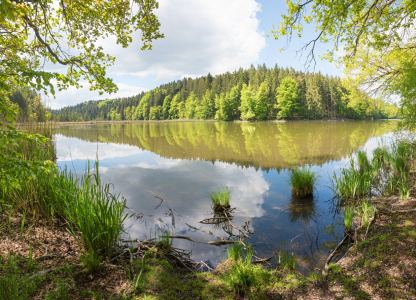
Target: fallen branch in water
x,y
328,260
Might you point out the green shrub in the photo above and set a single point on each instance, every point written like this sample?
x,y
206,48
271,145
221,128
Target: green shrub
x,y
220,199
302,181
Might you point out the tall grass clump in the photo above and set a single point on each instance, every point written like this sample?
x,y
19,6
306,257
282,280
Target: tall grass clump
x,y
244,274
96,214
221,199
380,155
348,217
351,183
235,251
302,181
363,162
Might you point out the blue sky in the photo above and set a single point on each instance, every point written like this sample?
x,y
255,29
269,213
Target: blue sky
x,y
201,36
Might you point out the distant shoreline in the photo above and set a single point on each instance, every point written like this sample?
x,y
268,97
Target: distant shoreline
x,y
208,120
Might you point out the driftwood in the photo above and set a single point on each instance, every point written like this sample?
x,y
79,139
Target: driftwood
x,y
262,261
222,242
328,260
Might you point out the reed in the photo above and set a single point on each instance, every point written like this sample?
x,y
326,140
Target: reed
x,y
221,199
348,217
96,214
302,181
363,162
380,155
351,183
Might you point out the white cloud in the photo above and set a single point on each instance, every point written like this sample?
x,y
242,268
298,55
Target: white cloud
x,y
72,96
69,148
200,37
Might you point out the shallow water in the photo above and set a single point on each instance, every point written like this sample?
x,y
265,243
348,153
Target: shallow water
x,y
182,162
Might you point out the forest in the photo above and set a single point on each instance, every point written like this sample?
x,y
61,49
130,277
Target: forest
x,y
254,94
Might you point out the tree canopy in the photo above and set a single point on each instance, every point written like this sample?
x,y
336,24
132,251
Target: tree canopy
x,y
68,33
378,36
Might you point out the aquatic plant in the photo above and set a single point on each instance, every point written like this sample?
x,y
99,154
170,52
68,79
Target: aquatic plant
x,y
403,185
352,183
380,155
348,217
163,238
221,199
302,181
235,251
287,261
96,214
363,162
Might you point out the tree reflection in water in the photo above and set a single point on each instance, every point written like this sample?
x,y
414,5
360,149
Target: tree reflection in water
x,y
301,209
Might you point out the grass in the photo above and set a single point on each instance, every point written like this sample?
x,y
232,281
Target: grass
x,y
302,181
348,217
86,204
96,214
363,162
235,251
366,211
351,183
221,199
15,283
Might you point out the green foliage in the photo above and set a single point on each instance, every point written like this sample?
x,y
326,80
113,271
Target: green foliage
x,y
174,107
21,154
348,217
248,103
14,282
190,106
243,275
302,181
235,251
220,199
91,261
366,212
33,33
287,261
318,97
287,97
363,162
352,183
96,214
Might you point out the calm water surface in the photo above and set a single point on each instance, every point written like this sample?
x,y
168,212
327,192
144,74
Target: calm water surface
x,y
182,162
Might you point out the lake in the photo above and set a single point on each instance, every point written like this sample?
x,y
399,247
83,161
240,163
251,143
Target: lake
x,y
182,162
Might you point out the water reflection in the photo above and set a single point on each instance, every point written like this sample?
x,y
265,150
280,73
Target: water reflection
x,y
182,162
265,145
301,209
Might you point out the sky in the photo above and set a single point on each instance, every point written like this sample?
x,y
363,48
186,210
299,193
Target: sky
x,y
201,36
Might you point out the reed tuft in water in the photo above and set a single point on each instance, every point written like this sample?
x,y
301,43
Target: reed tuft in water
x,y
221,199
302,181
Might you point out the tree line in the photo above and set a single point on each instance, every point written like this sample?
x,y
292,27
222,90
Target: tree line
x,y
254,94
